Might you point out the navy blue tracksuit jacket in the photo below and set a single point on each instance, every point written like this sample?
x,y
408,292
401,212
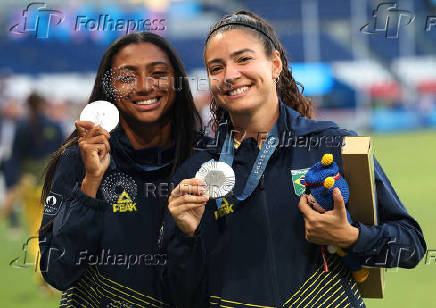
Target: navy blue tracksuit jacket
x,y
33,143
105,251
256,255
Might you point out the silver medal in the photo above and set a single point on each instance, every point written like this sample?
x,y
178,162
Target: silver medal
x,y
101,113
219,178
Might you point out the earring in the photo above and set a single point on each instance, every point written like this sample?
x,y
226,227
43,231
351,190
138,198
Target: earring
x,y
276,79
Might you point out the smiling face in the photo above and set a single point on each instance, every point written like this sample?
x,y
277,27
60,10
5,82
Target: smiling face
x,y
241,74
141,75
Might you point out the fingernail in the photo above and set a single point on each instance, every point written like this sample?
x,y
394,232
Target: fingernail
x,y
203,182
201,190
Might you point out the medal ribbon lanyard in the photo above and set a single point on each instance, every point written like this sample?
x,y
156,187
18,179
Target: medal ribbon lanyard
x,y
268,148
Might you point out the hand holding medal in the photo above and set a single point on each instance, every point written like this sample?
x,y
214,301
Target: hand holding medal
x,y
101,113
219,178
96,120
187,201
186,204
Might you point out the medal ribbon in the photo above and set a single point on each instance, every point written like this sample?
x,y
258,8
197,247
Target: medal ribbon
x,y
268,148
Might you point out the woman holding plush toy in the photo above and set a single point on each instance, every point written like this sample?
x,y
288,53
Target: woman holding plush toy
x,y
260,244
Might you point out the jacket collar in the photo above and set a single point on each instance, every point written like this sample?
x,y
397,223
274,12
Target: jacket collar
x,y
139,159
290,122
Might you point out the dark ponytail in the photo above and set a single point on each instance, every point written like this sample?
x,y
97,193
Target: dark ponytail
x,y
287,87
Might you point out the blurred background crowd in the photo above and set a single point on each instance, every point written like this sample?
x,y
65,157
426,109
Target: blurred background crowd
x,y
368,65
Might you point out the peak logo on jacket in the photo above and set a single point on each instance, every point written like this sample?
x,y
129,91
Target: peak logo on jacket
x,y
224,209
124,203
120,190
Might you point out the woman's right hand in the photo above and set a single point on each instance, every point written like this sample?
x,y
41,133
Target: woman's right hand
x,y
187,203
94,150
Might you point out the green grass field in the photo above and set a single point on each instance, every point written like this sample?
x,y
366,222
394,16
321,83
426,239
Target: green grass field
x,y
409,161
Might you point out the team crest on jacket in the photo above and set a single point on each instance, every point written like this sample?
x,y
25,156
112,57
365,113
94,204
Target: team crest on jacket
x,y
298,181
53,203
120,190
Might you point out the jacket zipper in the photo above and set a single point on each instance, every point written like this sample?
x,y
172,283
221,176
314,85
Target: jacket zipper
x,y
274,279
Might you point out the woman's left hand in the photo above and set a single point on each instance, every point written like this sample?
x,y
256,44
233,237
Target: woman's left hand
x,y
331,227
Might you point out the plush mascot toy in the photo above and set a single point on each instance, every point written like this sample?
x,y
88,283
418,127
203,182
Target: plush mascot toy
x,y
320,181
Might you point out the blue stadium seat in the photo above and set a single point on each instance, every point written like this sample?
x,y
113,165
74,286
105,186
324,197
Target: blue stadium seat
x,y
387,48
293,45
277,10
332,51
334,9
394,120
190,50
35,56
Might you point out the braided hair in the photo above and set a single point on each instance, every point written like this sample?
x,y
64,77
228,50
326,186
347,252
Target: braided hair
x,y
287,87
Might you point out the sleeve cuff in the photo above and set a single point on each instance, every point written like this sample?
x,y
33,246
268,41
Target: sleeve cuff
x,y
363,241
79,196
189,240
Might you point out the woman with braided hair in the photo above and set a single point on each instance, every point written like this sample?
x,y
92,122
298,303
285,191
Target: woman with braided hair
x,y
259,244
